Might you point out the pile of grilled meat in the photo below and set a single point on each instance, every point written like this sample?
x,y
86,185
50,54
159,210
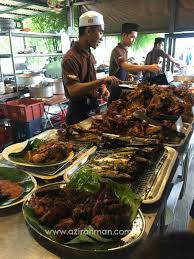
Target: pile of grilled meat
x,y
158,104
49,152
184,94
162,105
67,209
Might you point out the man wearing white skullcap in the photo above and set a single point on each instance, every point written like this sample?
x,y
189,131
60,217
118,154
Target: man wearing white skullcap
x,y
79,75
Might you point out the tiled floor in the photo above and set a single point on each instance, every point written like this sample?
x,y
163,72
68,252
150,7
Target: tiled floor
x,y
181,215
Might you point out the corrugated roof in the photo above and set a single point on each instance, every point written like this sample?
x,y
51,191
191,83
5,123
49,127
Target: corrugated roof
x,y
19,9
151,15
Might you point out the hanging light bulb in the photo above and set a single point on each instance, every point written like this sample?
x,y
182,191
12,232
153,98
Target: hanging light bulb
x,y
50,3
58,8
56,4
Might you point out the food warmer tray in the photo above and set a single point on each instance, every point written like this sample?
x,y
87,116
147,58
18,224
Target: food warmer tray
x,y
152,184
187,129
157,182
52,172
86,124
85,250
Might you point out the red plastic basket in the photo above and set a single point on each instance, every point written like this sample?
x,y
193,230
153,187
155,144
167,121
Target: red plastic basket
x,y
25,109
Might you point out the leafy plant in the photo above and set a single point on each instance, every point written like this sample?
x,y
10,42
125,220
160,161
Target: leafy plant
x,y
143,44
50,22
144,40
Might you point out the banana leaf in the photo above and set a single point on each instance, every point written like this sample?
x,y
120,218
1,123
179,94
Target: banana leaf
x,y
89,236
30,215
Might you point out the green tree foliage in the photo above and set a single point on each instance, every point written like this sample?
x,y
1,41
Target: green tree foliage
x,y
50,22
144,41
143,44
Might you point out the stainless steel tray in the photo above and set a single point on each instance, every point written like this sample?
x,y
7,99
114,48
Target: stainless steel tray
x,y
187,127
159,180
67,173
154,188
52,172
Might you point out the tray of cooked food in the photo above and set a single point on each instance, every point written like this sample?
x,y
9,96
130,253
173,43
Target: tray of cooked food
x,y
146,169
44,155
146,115
136,132
184,93
87,216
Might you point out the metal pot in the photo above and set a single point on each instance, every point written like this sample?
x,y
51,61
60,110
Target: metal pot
x,y
28,79
41,92
58,87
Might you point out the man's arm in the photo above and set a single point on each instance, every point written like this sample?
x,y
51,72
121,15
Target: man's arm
x,y
122,62
80,89
165,55
130,67
174,61
71,80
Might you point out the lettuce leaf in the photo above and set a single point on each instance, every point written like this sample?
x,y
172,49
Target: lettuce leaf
x,y
87,180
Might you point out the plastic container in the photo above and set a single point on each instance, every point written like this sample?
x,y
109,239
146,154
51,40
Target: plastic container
x,y
25,109
23,130
5,132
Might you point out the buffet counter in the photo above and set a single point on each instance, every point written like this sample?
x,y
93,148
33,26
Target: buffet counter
x,y
150,156
16,241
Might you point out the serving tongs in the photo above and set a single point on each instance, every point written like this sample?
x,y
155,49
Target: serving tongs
x,y
112,140
175,118
142,116
128,84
